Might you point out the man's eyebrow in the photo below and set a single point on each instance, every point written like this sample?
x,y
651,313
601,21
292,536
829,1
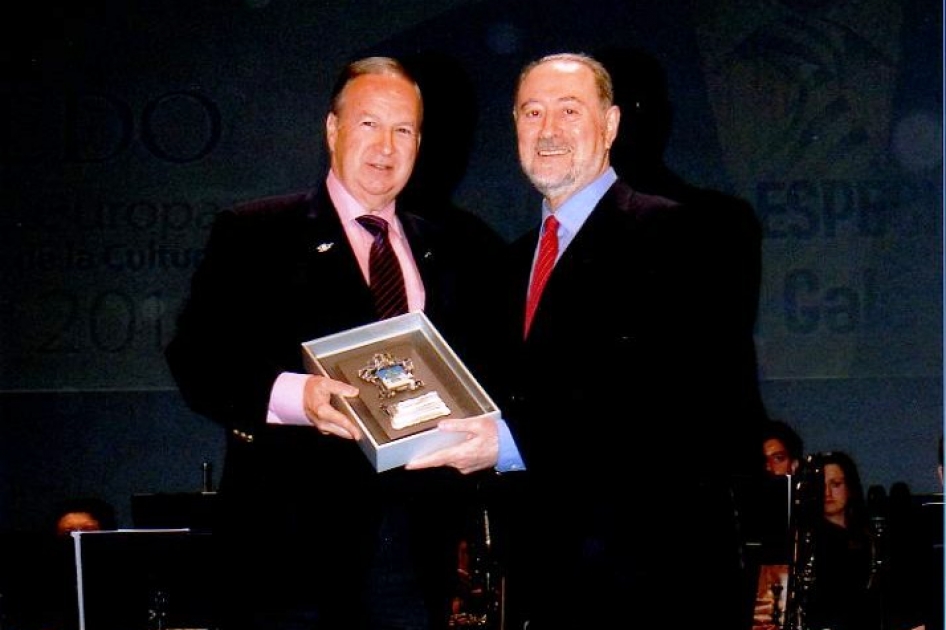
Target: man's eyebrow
x,y
560,100
527,102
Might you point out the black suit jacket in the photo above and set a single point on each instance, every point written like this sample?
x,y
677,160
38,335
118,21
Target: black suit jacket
x,y
278,272
631,396
632,336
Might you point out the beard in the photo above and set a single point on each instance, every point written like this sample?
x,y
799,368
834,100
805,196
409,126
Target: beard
x,y
551,184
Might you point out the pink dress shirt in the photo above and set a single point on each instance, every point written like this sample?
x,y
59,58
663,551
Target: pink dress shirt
x,y
285,401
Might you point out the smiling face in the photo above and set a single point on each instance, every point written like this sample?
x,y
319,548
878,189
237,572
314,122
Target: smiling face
x,y
373,137
564,129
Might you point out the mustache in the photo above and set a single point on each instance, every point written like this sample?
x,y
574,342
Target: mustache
x,y
550,144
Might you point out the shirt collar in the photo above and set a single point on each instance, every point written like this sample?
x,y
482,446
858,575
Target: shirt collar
x,y
572,214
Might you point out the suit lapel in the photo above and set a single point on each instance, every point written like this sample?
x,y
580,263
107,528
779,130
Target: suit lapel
x,y
596,251
420,236
331,266
427,243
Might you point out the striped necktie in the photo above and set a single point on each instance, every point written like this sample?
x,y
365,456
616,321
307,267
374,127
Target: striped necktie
x,y
548,252
384,270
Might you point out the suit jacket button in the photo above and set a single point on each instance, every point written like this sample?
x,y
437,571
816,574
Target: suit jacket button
x,y
242,435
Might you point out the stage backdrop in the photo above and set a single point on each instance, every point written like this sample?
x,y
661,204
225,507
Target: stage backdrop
x,y
127,126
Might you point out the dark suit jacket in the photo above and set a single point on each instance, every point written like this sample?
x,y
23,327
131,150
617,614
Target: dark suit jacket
x,y
629,399
276,273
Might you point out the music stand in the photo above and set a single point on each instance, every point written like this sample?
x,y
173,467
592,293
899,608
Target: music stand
x,y
764,507
174,510
138,579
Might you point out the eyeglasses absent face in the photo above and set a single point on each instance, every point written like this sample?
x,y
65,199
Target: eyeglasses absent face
x,y
777,459
374,137
835,492
564,131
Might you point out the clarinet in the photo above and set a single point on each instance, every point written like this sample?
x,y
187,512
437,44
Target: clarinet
x,y
877,514
877,509
807,512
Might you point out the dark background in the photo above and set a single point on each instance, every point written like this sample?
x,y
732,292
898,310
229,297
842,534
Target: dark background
x,y
124,126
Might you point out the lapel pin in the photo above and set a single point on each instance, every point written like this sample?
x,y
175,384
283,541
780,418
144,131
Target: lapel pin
x,y
324,247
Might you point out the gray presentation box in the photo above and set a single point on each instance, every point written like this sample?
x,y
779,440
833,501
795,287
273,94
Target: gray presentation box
x,y
401,363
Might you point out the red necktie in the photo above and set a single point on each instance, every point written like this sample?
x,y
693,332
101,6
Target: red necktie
x,y
384,270
548,251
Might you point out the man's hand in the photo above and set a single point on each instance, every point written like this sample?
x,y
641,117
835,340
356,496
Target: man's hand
x,y
318,407
480,449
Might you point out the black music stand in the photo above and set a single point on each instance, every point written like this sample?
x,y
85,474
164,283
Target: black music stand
x,y
174,510
763,505
140,579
